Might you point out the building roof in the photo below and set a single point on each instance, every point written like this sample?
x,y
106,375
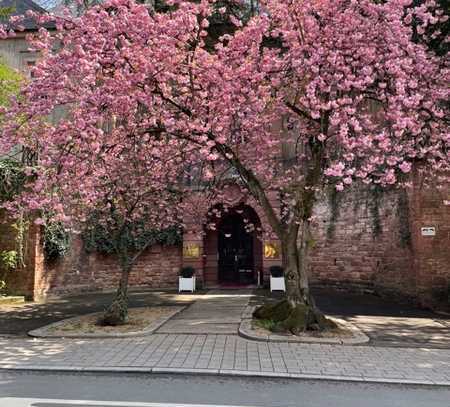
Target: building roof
x,y
20,7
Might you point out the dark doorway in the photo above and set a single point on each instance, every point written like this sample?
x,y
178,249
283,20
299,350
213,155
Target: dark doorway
x,y
235,249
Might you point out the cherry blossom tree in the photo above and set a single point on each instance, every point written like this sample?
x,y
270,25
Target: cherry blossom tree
x,y
90,167
304,95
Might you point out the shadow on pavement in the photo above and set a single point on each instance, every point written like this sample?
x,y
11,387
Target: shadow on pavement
x,y
386,321
17,320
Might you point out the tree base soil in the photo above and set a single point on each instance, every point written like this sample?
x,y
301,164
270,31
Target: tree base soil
x,y
138,320
281,317
263,328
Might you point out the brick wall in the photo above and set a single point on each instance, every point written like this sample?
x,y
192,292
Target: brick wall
x,y
362,240
431,208
373,242
157,267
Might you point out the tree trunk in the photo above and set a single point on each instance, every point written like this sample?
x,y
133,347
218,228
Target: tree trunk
x,y
117,312
298,312
296,265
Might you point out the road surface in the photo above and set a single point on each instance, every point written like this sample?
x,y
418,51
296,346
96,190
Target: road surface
x,y
38,389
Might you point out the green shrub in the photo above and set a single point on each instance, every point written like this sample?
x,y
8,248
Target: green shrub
x,y
101,239
187,272
276,271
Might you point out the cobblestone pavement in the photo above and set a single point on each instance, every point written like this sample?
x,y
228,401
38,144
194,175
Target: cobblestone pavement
x,y
230,354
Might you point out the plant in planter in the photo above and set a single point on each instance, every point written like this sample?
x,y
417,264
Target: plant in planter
x,y
277,279
186,281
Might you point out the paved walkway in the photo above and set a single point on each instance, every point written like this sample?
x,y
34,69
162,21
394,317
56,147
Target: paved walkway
x,y
216,312
202,339
386,322
230,354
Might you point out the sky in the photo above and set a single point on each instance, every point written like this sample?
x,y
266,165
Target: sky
x,y
47,4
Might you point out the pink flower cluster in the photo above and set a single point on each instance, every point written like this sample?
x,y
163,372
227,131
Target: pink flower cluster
x,y
139,104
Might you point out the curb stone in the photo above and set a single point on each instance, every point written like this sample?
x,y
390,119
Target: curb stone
x,y
151,328
224,372
246,331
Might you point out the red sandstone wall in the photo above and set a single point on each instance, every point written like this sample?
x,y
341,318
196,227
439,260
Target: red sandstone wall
x,y
362,240
158,267
357,244
431,208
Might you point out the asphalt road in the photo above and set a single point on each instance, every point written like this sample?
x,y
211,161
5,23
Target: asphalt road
x,y
38,389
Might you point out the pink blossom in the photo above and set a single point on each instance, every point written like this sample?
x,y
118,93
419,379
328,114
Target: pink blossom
x,y
405,167
349,92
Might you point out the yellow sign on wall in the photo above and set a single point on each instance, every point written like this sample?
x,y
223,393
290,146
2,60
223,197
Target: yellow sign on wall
x,y
272,250
191,251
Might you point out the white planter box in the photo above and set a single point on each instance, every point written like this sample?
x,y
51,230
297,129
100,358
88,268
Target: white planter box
x,y
277,284
186,284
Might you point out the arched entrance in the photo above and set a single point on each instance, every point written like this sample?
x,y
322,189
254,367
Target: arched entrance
x,y
233,250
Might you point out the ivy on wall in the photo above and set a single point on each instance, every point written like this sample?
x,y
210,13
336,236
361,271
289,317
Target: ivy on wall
x,y
8,262
11,260
334,198
375,195
374,204
97,237
12,179
55,241
404,219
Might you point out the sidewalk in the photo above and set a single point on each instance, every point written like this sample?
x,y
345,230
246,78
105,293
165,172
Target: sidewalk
x,y
232,355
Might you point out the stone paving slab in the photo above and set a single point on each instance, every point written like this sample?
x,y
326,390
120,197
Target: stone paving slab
x,y
189,326
404,331
217,312
229,354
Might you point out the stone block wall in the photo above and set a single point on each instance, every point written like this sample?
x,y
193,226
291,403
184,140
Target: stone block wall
x,y
362,240
431,209
374,241
157,268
